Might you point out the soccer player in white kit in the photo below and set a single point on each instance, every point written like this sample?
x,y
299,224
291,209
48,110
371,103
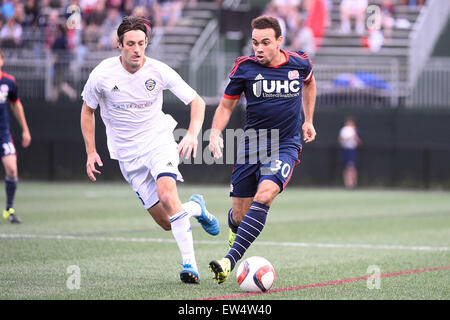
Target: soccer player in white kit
x,y
129,90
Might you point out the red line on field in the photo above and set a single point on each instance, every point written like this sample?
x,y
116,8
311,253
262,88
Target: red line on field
x,y
325,284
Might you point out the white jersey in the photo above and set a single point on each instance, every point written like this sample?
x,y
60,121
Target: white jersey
x,y
348,137
131,104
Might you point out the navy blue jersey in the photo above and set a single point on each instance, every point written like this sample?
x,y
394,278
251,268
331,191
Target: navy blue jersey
x,y
8,93
273,93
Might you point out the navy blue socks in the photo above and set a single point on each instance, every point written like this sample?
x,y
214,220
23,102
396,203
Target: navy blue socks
x,y
248,230
231,223
11,186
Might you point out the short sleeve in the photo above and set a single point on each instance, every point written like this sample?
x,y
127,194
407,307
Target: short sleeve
x,y
236,85
308,67
178,86
234,89
91,94
13,94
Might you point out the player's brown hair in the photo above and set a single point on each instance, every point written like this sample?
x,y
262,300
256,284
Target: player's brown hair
x,y
267,22
133,23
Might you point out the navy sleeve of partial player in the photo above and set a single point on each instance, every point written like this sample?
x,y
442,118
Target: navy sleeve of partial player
x,y
236,85
234,89
13,94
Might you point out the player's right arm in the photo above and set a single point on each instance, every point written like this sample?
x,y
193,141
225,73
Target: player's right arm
x,y
88,130
220,121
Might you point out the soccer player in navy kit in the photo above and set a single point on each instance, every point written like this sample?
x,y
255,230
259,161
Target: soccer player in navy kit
x,y
276,84
8,93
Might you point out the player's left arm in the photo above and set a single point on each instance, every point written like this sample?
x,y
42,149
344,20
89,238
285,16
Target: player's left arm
x,y
189,142
19,113
309,102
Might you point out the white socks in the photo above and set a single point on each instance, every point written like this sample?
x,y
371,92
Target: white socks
x,y
182,232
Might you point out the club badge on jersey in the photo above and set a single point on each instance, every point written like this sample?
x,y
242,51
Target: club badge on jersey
x,y
150,84
4,93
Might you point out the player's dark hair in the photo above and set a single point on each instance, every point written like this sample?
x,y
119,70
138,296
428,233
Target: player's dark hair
x,y
133,23
267,22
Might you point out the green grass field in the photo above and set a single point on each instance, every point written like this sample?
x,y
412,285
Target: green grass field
x,y
312,236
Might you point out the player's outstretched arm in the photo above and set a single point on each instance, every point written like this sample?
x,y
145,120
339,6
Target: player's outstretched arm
x,y
309,102
88,130
220,121
189,142
20,116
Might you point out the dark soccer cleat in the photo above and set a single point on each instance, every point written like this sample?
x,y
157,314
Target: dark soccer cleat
x,y
221,269
189,274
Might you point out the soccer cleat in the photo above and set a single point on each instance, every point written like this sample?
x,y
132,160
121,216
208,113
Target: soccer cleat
x,y
206,219
10,216
221,269
189,274
231,238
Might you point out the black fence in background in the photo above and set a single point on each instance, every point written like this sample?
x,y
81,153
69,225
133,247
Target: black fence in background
x,y
402,147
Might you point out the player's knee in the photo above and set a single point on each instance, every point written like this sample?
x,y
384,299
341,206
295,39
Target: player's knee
x,y
168,201
265,197
11,172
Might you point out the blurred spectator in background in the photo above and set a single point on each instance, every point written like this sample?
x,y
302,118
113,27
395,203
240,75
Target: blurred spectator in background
x,y
167,12
108,38
387,8
349,141
87,6
304,39
31,12
50,27
124,6
11,34
149,5
98,15
272,11
287,11
19,12
412,3
353,9
61,60
94,21
317,19
140,11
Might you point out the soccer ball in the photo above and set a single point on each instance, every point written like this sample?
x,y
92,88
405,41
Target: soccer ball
x,y
255,274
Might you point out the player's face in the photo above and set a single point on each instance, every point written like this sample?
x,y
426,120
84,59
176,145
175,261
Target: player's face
x,y
265,45
133,49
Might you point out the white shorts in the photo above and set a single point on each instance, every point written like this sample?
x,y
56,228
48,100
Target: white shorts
x,y
142,172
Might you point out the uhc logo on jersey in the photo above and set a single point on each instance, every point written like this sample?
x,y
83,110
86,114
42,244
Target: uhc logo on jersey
x,y
277,88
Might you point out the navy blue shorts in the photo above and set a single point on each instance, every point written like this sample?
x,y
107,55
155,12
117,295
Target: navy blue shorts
x,y
348,157
7,145
246,177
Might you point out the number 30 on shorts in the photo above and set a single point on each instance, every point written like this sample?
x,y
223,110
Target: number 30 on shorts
x,y
8,148
285,168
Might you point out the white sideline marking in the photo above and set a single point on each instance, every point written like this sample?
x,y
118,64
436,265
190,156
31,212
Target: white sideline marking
x,y
258,243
